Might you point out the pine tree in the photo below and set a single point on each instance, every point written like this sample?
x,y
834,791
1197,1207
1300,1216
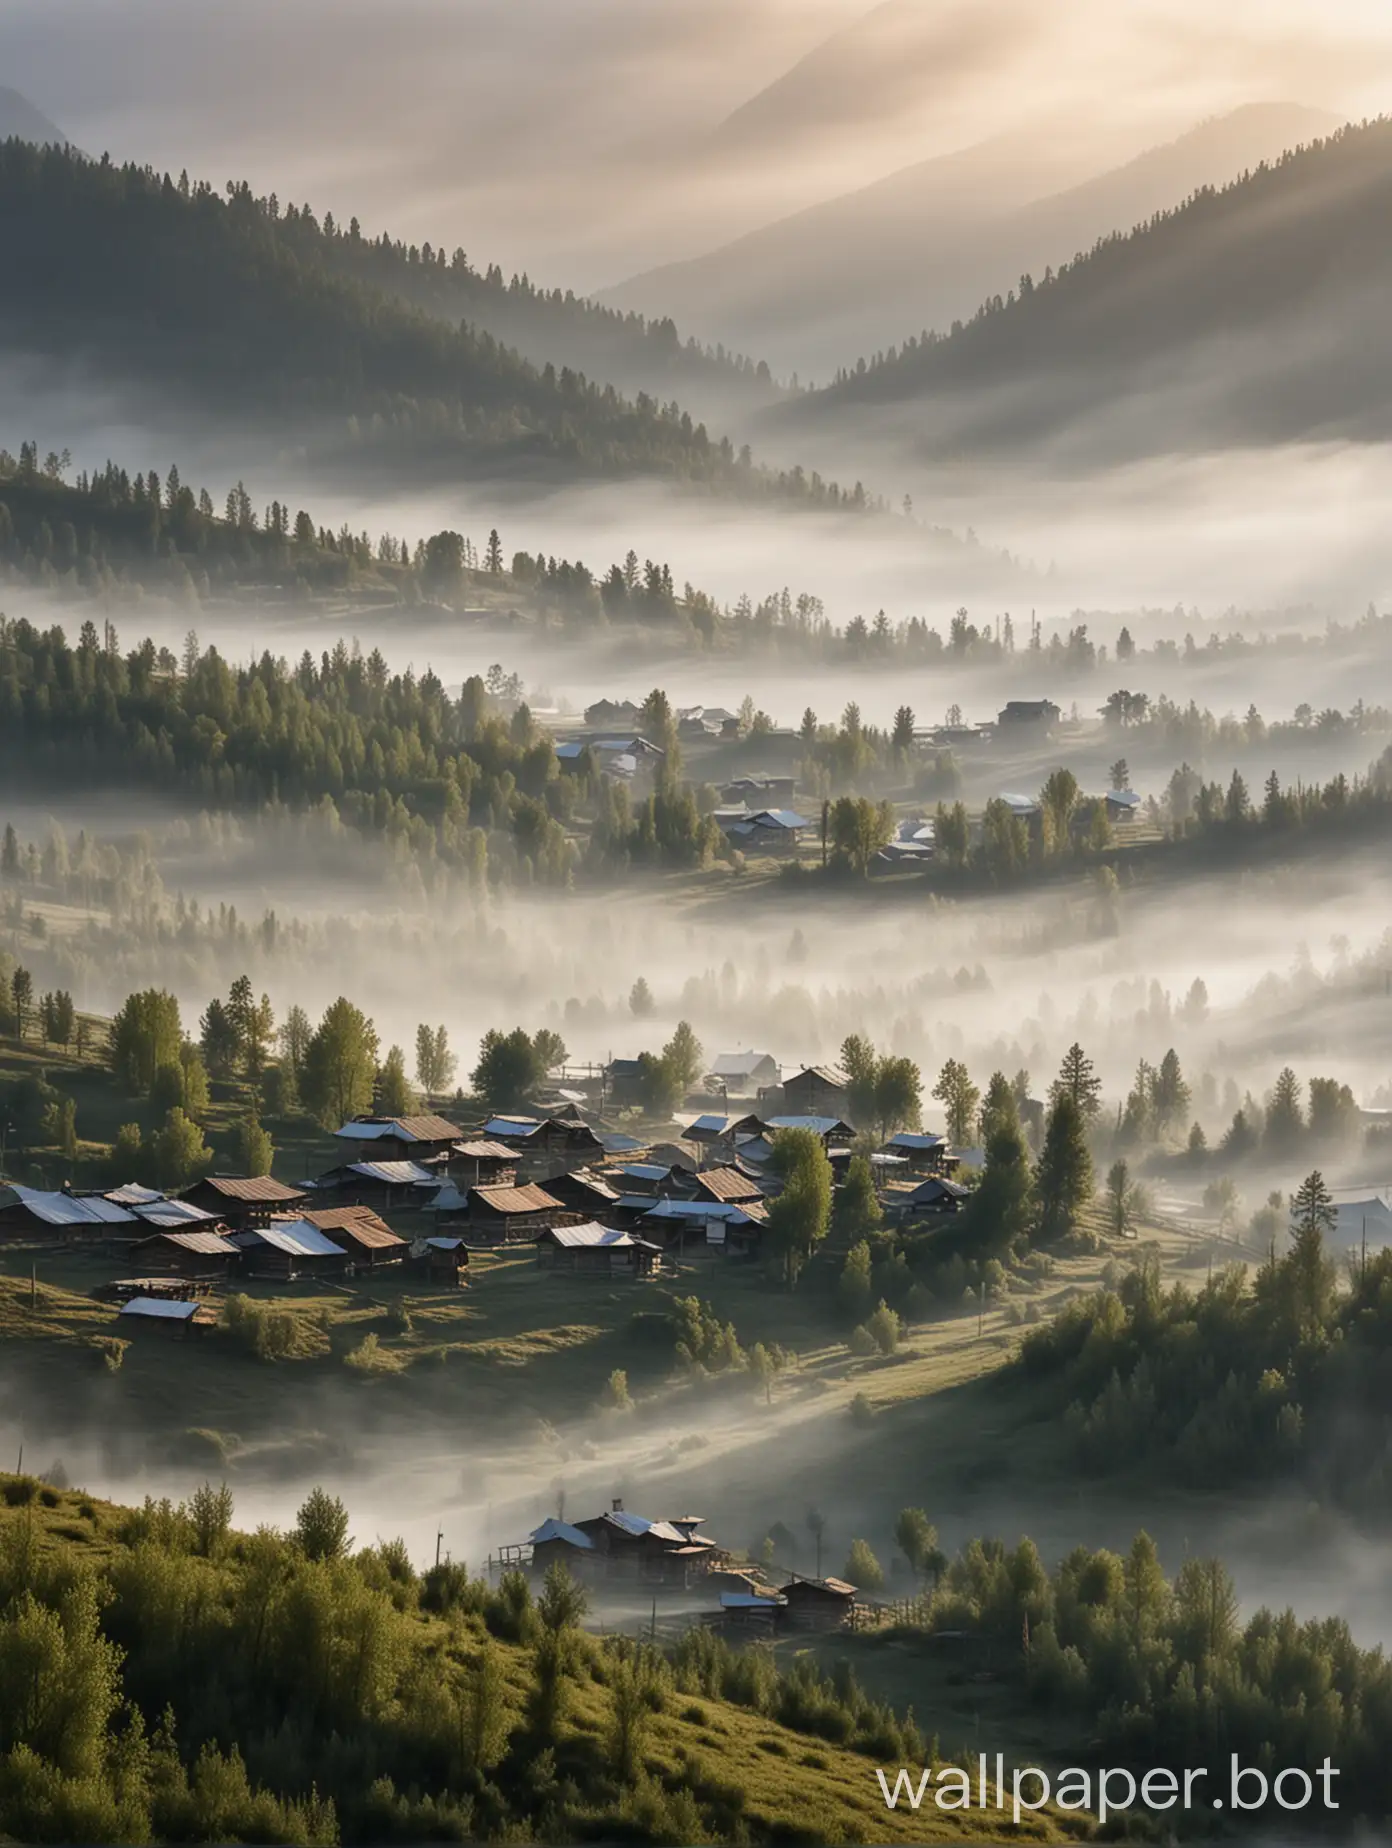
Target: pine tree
x,y
1063,1179
1078,1079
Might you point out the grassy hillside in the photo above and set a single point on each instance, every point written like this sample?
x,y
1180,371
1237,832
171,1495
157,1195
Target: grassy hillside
x,y
1250,314
424,1708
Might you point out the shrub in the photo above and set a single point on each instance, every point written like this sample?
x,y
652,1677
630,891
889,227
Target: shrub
x,y
883,1329
862,1342
862,1412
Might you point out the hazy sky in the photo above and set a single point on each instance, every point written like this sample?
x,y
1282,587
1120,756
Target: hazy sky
x,y
584,138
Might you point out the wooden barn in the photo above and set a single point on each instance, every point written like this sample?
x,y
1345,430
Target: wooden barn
x,y
482,1163
291,1248
583,1191
666,1555
28,1213
195,1254
244,1200
564,1141
385,1186
409,1138
499,1215
369,1241
818,1604
817,1090
444,1259
600,1252
727,1186
924,1153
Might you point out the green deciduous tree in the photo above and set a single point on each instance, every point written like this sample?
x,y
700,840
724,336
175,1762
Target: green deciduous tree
x,y
959,1098
799,1215
862,1569
145,1035
340,1065
321,1526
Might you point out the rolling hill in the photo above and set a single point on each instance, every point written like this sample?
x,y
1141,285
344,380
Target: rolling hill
x,y
1255,314
924,246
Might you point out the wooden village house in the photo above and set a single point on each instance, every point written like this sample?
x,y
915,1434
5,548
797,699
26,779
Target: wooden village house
x,y
599,1252
241,1200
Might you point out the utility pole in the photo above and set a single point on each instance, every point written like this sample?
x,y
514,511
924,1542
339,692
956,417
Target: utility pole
x,y
439,1539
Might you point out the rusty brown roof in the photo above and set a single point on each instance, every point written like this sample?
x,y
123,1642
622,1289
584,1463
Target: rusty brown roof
x,y
485,1151
729,1184
358,1223
255,1188
528,1199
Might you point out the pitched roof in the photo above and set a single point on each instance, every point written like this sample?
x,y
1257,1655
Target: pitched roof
x,y
595,1238
258,1189
729,1212
729,1184
552,1529
832,1075
519,1128
485,1151
171,1213
819,1125
358,1223
588,1182
911,1139
528,1199
206,1244
740,1064
297,1237
64,1209
836,1585
393,1173
400,1129
934,1188
132,1194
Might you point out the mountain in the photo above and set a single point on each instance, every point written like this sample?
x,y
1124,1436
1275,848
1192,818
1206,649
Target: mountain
x,y
205,303
1253,314
20,120
924,246
892,62
547,326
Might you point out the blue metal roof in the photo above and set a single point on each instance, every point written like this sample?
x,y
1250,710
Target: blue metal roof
x,y
157,1309
912,1139
552,1529
819,1125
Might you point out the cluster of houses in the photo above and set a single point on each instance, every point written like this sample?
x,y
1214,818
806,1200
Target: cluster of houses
x,y
617,1554
421,1191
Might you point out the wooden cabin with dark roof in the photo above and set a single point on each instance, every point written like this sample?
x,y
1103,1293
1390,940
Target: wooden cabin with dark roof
x,y
244,1200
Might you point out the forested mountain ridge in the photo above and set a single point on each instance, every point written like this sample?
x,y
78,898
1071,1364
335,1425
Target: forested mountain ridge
x,y
1254,313
940,236
170,288
622,348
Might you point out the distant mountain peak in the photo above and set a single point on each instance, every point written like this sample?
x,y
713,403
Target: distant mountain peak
x,y
21,121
